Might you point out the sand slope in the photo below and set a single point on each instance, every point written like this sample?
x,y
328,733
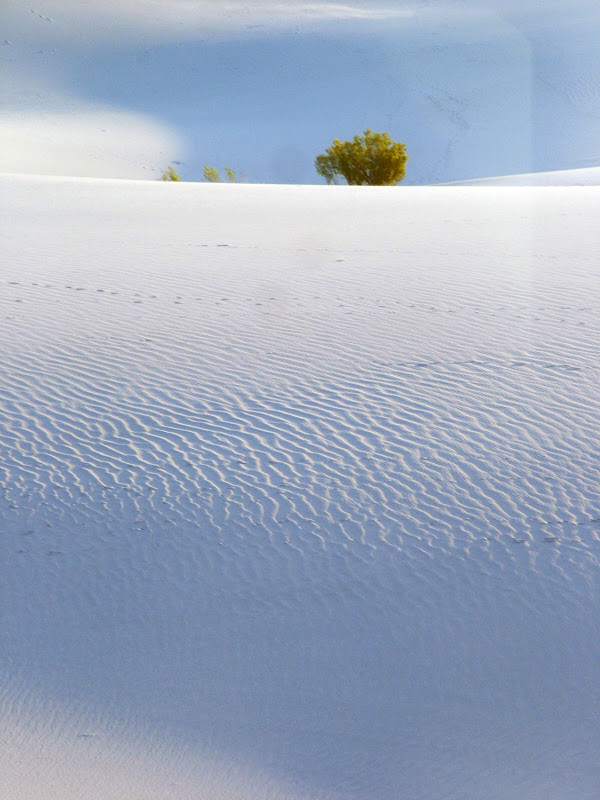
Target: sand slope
x,y
589,176
300,491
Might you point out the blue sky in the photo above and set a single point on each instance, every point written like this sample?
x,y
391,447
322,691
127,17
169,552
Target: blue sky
x,y
124,88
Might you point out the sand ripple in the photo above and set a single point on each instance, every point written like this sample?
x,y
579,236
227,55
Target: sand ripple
x,y
331,509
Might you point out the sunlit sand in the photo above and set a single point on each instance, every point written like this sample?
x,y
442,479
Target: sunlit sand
x,y
300,491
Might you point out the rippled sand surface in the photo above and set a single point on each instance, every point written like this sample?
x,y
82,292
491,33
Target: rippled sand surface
x,y
300,491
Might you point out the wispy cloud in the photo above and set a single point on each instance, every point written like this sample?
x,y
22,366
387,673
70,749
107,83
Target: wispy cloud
x,y
162,20
103,19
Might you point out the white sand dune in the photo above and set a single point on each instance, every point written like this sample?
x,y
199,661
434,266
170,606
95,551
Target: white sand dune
x,y
300,491
589,176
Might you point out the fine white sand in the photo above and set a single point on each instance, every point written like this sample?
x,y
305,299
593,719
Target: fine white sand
x,y
588,176
300,492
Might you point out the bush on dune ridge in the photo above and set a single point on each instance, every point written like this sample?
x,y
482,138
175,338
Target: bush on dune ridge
x,y
169,174
372,159
211,174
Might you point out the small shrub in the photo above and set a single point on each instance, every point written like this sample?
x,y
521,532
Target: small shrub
x,y
169,174
211,174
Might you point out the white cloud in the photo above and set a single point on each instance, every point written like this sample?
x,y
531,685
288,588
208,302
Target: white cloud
x,y
46,128
94,142
56,20
88,21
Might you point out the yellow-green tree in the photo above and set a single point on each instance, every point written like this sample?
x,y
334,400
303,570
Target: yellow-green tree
x,y
169,174
372,159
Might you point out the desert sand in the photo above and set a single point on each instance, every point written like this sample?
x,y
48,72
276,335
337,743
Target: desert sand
x,y
300,491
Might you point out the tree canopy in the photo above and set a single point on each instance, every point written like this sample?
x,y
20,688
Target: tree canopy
x,y
372,159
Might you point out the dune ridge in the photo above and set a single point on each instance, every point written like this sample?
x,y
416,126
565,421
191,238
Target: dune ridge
x,y
583,176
